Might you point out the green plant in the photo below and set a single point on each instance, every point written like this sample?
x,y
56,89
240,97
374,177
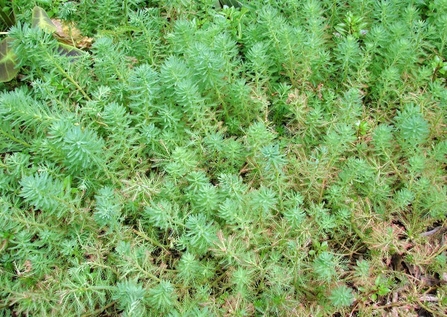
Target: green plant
x,y
8,59
273,158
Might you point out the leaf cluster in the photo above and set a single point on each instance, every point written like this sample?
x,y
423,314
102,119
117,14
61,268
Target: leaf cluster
x,y
274,158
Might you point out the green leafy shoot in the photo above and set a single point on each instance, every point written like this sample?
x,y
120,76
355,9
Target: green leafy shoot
x,y
223,158
8,59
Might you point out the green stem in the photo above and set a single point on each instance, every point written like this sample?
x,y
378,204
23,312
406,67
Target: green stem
x,y
63,72
9,136
99,310
145,237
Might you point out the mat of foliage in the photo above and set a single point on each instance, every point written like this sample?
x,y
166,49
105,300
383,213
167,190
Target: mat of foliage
x,y
282,158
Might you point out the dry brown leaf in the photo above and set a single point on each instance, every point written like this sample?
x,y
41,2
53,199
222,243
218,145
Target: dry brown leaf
x,y
68,33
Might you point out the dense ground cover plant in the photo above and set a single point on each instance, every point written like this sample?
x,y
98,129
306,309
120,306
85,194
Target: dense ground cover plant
x,y
276,158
